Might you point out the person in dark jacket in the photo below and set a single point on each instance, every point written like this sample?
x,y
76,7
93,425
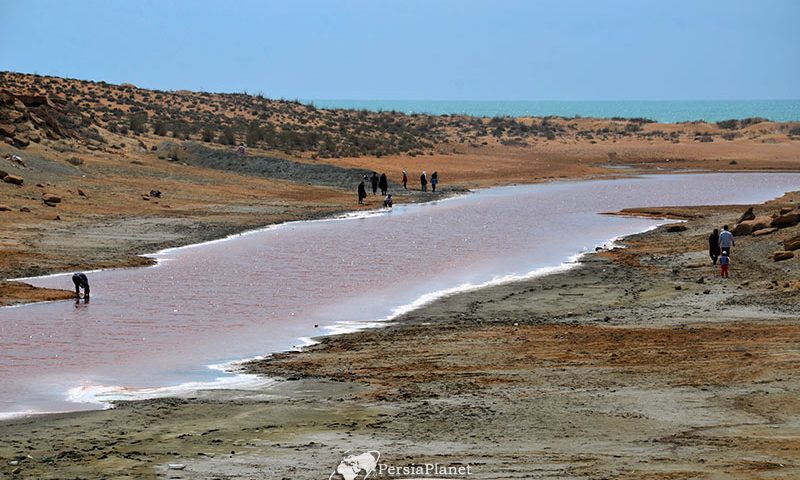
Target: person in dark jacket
x,y
423,181
80,281
362,192
374,181
383,183
405,180
434,180
713,246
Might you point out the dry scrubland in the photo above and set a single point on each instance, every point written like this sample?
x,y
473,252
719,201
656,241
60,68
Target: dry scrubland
x,y
640,363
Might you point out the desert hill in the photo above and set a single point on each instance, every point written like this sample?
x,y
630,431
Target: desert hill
x,y
94,175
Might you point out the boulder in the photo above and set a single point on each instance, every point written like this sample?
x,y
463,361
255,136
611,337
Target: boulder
x,y
788,220
748,215
33,100
36,120
50,198
749,226
676,228
81,193
778,256
792,244
764,231
14,116
3,173
21,141
786,210
34,137
13,179
5,208
7,130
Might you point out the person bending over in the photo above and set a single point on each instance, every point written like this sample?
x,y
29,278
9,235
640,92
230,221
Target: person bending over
x,y
80,281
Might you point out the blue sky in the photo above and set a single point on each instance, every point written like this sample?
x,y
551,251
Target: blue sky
x,y
417,49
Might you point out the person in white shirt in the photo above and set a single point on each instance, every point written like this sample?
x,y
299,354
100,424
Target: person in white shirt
x,y
726,240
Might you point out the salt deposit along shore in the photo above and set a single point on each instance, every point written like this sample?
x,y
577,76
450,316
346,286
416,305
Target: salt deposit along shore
x,y
639,363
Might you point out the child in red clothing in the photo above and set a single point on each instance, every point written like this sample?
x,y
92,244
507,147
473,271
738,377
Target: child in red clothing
x,y
724,261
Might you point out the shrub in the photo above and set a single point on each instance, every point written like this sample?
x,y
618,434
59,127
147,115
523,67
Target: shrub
x,y
137,121
227,137
728,124
160,128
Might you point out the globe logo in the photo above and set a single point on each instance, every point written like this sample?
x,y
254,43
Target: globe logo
x,y
352,466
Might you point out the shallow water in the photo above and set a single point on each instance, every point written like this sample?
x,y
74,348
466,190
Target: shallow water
x,y
155,331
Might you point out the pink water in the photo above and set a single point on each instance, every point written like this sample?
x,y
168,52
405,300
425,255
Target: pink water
x,y
155,331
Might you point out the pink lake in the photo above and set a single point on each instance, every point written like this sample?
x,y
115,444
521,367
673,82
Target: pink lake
x,y
170,329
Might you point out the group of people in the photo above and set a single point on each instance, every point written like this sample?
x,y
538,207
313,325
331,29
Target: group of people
x,y
377,182
719,248
423,181
382,182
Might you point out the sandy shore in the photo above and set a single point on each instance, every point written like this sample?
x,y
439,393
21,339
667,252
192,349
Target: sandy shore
x,y
639,363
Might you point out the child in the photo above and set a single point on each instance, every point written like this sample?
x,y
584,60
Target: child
x,y
724,261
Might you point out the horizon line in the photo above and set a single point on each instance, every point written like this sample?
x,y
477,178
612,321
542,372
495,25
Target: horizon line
x,y
303,99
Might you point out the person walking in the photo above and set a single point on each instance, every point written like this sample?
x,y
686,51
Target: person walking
x,y
383,183
362,192
423,181
80,281
405,180
713,246
434,180
724,262
726,240
374,181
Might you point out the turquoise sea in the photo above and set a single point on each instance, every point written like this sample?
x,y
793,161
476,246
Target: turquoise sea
x,y
660,111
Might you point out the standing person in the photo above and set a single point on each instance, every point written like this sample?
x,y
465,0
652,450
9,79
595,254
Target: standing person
x,y
423,181
80,281
362,192
384,184
726,240
405,180
434,180
724,261
713,246
374,181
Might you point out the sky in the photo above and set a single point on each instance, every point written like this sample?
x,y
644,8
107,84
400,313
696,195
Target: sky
x,y
416,49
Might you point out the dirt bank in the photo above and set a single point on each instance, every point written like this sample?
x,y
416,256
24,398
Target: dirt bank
x,y
639,363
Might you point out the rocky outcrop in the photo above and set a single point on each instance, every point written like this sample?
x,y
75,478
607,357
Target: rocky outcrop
x,y
749,226
788,220
778,256
748,215
13,179
30,118
792,244
765,231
